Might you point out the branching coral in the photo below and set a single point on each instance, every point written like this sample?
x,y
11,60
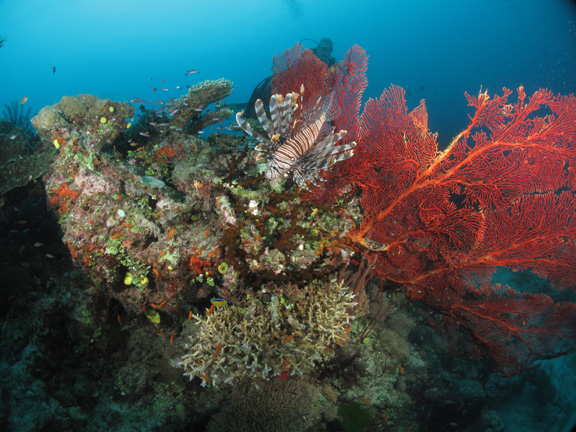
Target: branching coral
x,y
275,337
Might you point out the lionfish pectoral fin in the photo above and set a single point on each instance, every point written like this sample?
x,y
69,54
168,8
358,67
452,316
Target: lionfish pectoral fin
x,y
245,126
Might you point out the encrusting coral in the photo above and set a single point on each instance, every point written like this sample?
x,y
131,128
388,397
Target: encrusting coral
x,y
274,336
291,405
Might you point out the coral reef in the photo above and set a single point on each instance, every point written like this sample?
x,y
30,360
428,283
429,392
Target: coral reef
x,y
280,405
97,121
176,251
21,161
189,111
280,335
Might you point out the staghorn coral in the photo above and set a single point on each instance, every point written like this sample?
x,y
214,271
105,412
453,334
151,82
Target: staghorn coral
x,y
260,340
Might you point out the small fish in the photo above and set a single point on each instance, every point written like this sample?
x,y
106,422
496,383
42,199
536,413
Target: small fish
x,y
24,99
204,377
162,80
218,302
191,71
201,132
153,124
176,87
198,109
162,124
164,89
13,136
50,256
170,234
145,134
158,306
38,244
218,348
53,70
135,100
154,89
173,112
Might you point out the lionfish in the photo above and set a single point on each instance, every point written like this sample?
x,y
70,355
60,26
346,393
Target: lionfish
x,y
304,146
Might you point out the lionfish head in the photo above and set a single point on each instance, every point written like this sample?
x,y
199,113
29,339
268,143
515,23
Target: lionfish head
x,y
298,141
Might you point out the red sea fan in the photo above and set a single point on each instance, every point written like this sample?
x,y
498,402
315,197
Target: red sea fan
x,y
296,67
502,194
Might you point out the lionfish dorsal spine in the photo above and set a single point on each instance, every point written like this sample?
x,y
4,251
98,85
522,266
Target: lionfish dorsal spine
x,y
288,108
245,126
263,119
276,114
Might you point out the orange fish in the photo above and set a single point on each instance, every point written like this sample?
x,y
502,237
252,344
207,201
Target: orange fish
x,y
171,233
204,377
158,306
218,348
24,99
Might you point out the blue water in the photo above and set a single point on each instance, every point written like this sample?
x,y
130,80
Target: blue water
x,y
435,50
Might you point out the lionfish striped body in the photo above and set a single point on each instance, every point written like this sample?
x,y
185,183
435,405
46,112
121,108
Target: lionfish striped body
x,y
304,146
